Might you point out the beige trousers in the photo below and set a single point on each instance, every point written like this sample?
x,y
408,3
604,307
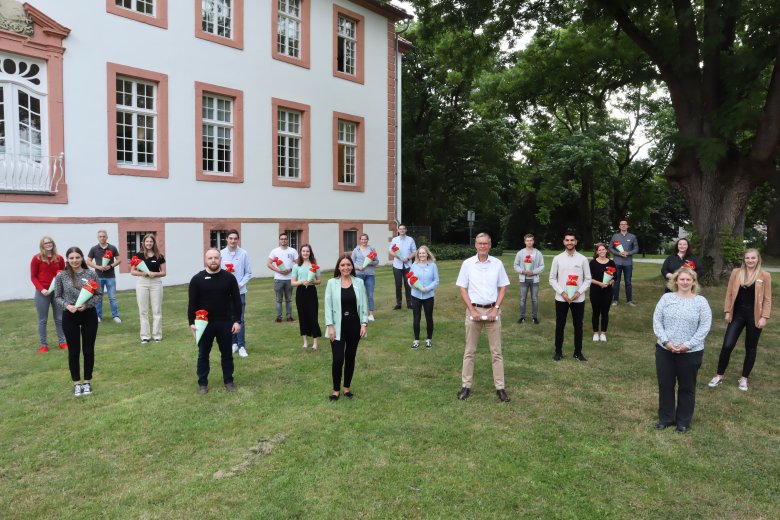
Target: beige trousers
x,y
149,290
473,331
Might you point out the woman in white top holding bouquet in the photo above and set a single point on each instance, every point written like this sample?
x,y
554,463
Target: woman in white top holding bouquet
x,y
149,266
306,280
77,292
365,259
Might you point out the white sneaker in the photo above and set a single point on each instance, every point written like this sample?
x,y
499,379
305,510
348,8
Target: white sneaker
x,y
77,389
99,319
117,320
235,348
242,352
86,389
715,381
743,384
614,303
595,336
603,337
370,317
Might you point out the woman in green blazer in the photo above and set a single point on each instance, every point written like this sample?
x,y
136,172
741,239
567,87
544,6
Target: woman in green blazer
x,y
346,317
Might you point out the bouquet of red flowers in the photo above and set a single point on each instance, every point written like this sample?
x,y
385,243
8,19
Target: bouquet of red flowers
x,y
618,246
52,285
609,274
414,281
397,252
528,262
571,285
87,292
279,263
369,258
312,274
139,264
201,321
108,257
689,265
229,268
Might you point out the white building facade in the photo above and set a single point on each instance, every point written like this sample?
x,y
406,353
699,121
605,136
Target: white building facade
x,y
190,117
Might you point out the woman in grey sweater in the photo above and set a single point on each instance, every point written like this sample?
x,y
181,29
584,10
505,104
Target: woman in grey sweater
x,y
80,323
681,322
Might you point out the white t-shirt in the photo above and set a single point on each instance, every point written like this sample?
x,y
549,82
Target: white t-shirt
x,y
482,279
288,256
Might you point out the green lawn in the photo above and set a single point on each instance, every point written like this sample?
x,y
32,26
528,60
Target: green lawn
x,y
577,440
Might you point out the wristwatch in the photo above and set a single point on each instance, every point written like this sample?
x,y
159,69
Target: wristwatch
x,y
497,306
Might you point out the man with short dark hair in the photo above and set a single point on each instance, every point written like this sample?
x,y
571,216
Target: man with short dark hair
x,y
569,269
623,247
280,261
482,282
529,262
105,273
401,265
215,291
239,261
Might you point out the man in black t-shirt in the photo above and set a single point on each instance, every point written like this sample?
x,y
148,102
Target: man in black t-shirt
x,y
215,291
105,273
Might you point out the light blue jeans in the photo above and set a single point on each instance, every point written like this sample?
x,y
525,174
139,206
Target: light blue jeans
x,y
240,338
369,280
107,285
524,286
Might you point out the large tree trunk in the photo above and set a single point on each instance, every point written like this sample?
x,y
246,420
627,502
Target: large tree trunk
x,y
717,202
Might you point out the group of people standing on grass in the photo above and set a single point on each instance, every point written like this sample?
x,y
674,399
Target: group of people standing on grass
x,y
681,321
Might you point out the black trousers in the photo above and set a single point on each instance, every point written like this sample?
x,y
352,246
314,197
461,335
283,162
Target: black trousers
x,y
417,306
678,370
308,310
221,331
80,329
577,315
344,351
600,303
742,319
400,280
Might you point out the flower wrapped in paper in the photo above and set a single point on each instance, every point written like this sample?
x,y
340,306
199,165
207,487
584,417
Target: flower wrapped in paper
x,y
528,263
368,259
414,281
201,321
139,264
609,274
618,246
87,292
689,265
572,284
53,285
108,257
312,273
278,261
396,251
229,268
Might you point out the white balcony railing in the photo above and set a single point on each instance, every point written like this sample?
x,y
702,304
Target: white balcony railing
x,y
29,174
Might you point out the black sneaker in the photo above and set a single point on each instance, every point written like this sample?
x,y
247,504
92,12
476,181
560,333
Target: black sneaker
x,y
557,357
86,389
536,321
580,357
521,321
428,344
415,345
77,389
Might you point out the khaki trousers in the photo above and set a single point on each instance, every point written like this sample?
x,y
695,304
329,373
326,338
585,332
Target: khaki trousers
x,y
473,331
150,291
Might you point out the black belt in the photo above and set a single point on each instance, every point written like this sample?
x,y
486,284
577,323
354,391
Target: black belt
x,y
486,306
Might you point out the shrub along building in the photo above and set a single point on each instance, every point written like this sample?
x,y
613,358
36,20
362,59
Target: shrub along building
x,y
188,118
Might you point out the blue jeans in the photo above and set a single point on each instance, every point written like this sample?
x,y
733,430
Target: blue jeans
x,y
107,285
369,280
627,269
240,338
524,286
283,288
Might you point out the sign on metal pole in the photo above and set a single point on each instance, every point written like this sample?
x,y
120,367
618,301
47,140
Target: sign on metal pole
x,y
471,217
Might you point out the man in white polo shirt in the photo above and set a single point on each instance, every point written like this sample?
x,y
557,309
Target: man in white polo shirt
x,y
280,261
483,281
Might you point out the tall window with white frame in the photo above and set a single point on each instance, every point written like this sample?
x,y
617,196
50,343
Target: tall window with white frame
x,y
136,122
347,152
347,46
135,242
288,144
217,17
140,6
294,238
349,238
288,30
218,238
217,143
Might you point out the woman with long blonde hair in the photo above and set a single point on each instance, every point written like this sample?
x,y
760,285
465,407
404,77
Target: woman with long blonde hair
x,y
44,266
747,306
149,288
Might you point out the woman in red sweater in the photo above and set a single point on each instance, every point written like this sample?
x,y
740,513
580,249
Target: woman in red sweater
x,y
44,266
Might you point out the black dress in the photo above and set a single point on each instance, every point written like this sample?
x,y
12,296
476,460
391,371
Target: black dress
x,y
308,306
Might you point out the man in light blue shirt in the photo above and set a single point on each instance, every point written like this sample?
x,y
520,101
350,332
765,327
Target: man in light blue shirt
x,y
241,269
401,264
